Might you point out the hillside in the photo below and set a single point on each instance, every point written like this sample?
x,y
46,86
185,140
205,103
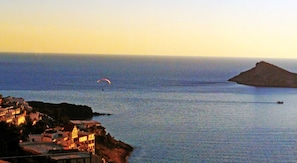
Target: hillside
x,y
266,75
62,110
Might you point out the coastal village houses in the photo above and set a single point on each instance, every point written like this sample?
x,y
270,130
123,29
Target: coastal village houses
x,y
13,110
72,137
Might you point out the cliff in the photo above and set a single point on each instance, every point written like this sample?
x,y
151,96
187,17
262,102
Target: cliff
x,y
266,75
112,150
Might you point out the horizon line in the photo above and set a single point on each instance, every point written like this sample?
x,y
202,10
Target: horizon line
x,y
136,55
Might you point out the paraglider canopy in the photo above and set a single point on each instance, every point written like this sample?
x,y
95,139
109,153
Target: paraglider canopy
x,y
104,79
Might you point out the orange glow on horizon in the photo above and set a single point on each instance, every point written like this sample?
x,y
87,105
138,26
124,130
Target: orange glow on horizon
x,y
151,28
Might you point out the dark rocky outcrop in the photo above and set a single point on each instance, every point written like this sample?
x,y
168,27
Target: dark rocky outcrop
x,y
62,110
266,75
101,114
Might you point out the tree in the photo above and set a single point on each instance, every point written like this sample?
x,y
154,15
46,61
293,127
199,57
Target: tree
x,y
9,140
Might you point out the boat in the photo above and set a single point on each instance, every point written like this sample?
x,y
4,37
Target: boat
x,y
279,102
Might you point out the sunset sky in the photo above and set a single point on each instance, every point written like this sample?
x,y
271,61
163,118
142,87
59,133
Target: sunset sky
x,y
216,28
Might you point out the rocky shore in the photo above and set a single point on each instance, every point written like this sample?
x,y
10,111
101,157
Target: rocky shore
x,y
112,150
266,75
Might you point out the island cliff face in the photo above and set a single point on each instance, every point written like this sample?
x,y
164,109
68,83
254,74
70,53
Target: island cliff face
x,y
266,75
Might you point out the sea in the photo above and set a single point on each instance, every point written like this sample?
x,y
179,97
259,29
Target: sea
x,y
170,109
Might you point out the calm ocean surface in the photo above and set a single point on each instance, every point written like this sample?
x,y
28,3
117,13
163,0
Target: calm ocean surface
x,y
170,109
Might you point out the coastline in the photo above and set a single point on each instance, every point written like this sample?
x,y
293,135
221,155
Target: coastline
x,y
108,147
51,119
113,150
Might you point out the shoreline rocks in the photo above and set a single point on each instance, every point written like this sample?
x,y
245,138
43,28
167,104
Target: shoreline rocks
x,y
112,150
266,75
101,114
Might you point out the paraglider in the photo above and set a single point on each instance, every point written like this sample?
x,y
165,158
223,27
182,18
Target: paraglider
x,y
104,79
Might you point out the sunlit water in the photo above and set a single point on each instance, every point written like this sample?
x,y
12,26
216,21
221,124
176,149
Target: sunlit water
x,y
169,110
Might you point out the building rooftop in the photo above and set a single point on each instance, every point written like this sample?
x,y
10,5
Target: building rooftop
x,y
67,156
40,147
86,122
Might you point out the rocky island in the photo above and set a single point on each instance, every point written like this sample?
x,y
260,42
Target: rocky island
x,y
266,75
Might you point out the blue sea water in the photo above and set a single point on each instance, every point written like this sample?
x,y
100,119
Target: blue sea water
x,y
170,109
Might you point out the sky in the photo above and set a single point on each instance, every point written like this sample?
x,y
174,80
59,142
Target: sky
x,y
212,28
